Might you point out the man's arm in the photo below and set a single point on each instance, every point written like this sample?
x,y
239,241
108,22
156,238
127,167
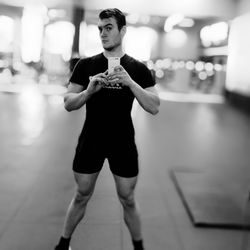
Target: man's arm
x,y
148,98
76,96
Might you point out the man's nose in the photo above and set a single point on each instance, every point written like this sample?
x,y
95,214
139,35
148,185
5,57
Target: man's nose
x,y
103,33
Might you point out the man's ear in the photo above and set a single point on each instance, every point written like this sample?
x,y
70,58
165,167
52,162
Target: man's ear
x,y
123,30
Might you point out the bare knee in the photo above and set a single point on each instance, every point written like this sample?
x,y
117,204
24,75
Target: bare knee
x,y
85,184
127,200
82,197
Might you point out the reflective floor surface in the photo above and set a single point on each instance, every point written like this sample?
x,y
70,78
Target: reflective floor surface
x,y
38,138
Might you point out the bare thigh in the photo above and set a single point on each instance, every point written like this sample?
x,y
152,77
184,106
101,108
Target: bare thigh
x,y
85,183
125,186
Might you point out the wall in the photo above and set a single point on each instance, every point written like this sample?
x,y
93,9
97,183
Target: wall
x,y
238,73
193,8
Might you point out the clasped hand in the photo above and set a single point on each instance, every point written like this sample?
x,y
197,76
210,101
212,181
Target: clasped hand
x,y
120,76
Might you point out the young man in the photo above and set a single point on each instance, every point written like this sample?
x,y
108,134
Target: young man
x,y
108,130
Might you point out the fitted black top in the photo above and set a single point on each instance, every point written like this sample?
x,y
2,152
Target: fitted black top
x,y
108,111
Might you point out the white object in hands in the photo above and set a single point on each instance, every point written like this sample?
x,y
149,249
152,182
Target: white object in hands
x,y
112,63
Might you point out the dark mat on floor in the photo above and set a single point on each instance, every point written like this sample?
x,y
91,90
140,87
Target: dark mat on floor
x,y
213,201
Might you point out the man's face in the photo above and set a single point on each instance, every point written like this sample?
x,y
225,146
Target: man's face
x,y
110,35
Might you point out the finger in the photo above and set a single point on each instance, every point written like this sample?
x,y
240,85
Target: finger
x,y
102,80
115,78
105,81
100,75
118,68
103,76
112,77
114,81
98,80
105,73
115,75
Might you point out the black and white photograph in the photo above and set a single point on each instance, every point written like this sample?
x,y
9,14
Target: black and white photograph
x,y
124,125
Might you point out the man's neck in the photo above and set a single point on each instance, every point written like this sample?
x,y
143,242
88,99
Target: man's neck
x,y
119,53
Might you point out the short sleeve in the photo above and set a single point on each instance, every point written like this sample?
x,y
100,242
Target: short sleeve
x,y
145,77
80,74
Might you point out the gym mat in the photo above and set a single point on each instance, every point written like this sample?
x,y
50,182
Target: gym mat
x,y
213,201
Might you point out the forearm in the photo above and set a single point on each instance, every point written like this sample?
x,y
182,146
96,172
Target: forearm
x,y
148,100
73,101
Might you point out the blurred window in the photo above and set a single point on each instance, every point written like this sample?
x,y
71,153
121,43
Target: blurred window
x,y
139,42
59,39
176,38
214,34
32,32
238,73
90,43
6,33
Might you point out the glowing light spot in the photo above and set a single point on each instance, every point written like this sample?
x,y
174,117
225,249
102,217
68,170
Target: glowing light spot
x,y
199,66
209,66
159,73
176,38
190,65
203,75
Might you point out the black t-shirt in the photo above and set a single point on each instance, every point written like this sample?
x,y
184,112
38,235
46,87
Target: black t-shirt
x,y
108,111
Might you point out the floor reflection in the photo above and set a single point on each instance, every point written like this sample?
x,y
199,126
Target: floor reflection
x,y
31,105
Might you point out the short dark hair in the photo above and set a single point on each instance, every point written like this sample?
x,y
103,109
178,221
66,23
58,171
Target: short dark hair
x,y
115,13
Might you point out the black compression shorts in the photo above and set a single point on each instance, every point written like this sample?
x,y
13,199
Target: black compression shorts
x,y
122,157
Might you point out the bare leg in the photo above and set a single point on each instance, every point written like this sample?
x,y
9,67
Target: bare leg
x,y
125,190
76,210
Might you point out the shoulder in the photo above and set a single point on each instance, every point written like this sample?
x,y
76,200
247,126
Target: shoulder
x,y
131,59
140,73
95,57
84,60
139,65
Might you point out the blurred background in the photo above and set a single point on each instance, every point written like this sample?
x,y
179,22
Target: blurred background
x,y
194,155
184,43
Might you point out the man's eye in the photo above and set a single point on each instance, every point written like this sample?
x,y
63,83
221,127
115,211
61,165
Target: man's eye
x,y
108,28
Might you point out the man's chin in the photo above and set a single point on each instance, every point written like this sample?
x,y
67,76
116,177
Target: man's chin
x,y
108,48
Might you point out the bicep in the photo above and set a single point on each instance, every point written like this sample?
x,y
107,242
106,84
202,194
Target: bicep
x,y
74,88
152,90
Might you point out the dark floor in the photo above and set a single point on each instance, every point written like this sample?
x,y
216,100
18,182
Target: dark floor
x,y
36,184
